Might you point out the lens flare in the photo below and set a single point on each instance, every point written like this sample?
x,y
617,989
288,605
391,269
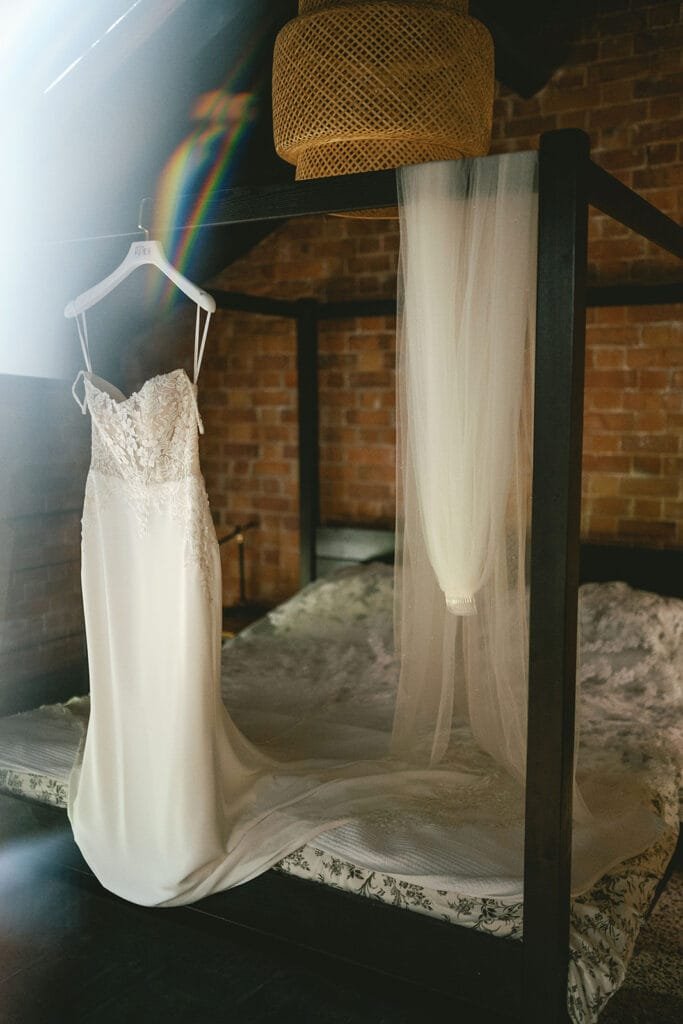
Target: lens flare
x,y
205,162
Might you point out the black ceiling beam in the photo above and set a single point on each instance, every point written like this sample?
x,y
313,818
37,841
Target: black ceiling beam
x,y
259,304
635,294
598,295
612,197
301,198
264,305
357,307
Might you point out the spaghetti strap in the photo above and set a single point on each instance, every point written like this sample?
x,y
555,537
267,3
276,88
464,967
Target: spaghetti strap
x,y
199,347
200,424
83,337
82,404
198,356
85,349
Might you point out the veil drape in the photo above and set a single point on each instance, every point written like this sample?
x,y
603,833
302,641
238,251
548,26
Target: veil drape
x,y
467,294
467,300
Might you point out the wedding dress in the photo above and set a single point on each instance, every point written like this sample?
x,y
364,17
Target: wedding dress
x,y
168,800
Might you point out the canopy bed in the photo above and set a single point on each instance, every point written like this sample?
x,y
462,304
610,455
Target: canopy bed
x,y
525,980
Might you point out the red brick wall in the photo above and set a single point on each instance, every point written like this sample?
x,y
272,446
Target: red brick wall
x,y
622,83
250,458
633,426
358,438
43,456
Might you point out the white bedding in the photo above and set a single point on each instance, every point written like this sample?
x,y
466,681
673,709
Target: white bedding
x,y
319,671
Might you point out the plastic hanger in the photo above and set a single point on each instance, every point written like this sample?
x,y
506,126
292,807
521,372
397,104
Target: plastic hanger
x,y
143,253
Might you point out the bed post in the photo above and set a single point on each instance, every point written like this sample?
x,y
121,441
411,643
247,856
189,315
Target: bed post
x,y
307,411
556,508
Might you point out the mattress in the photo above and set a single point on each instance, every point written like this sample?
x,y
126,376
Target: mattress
x,y
319,672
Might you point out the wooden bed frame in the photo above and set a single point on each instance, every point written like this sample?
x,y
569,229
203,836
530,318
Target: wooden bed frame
x,y
519,981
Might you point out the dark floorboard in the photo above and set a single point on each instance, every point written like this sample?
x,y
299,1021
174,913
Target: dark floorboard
x,y
70,952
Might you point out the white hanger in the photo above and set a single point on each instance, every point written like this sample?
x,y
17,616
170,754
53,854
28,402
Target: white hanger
x,y
140,254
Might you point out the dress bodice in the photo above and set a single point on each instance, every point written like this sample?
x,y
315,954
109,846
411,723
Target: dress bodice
x,y
148,438
145,458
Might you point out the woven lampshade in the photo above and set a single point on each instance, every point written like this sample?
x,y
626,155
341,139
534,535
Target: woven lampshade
x,y
366,85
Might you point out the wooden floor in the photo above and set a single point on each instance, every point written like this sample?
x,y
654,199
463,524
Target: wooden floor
x,y
70,952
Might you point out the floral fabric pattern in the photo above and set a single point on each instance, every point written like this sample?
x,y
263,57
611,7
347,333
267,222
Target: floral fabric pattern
x,y
33,787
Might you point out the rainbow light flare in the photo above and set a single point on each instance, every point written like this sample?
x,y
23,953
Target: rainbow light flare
x,y
210,155
204,162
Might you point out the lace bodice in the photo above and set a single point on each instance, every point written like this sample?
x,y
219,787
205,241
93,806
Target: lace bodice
x,y
145,453
149,438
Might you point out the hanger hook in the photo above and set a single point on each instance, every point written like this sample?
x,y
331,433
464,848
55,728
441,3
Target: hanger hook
x,y
141,211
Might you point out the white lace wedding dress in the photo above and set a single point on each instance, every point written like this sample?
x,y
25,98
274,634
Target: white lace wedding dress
x,y
168,800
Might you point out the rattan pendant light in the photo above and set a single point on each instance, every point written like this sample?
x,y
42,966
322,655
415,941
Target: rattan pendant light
x,y
365,85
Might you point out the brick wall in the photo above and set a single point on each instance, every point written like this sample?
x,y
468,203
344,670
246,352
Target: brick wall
x,y
622,83
43,457
633,426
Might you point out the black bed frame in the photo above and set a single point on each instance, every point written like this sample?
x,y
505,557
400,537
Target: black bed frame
x,y
524,981
519,981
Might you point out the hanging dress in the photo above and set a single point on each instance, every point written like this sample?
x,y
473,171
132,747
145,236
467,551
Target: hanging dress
x,y
168,800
